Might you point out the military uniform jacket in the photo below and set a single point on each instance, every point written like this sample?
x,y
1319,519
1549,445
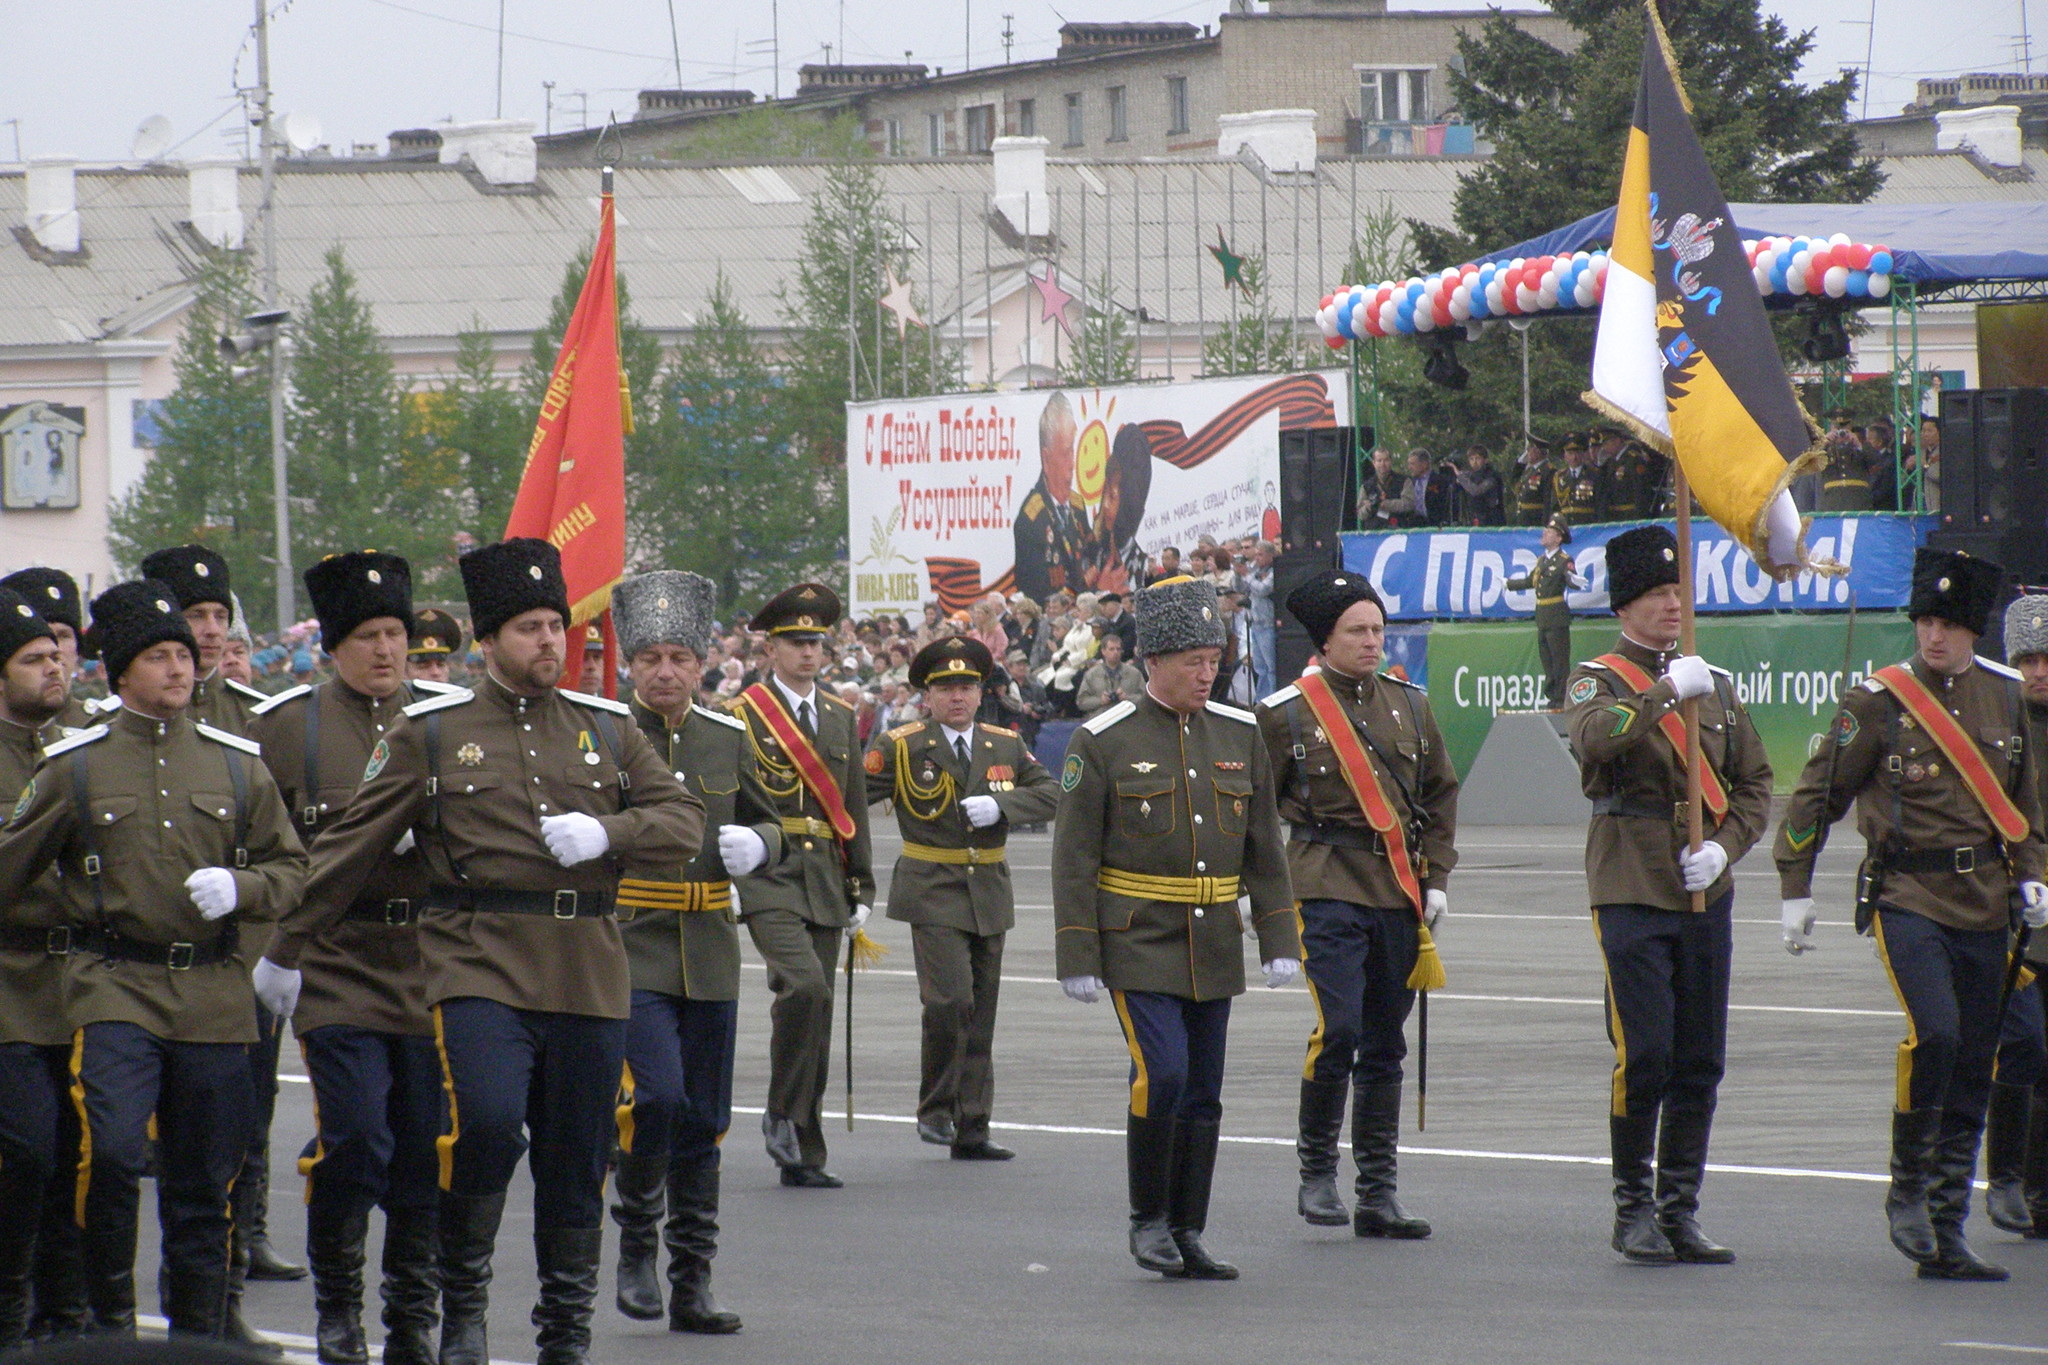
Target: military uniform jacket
x,y
31,979
1147,790
161,798
1575,494
1630,485
1532,493
1332,853
696,953
223,703
1548,577
1050,538
815,878
364,969
915,764
1636,780
2036,735
506,762
1904,786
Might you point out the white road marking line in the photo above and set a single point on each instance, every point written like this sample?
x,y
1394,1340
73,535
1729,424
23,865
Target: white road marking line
x,y
1996,1346
301,1350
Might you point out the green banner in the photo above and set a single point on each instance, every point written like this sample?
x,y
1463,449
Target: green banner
x,y
1788,672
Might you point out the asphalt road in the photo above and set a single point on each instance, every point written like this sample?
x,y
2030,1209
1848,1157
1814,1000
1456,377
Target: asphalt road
x,y
923,1259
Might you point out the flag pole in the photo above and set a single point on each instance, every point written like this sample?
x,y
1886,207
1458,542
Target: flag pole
x,y
1689,709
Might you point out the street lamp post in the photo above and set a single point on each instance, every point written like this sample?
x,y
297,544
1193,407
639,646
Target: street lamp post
x,y
280,475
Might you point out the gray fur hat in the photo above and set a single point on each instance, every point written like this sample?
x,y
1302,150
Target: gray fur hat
x,y
1176,614
2026,627
666,607
240,629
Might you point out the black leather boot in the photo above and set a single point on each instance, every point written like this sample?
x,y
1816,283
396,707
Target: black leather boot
x,y
334,1247
1948,1204
1375,1129
692,1237
567,1262
412,1285
195,1300
2035,1166
108,1246
1633,1141
1321,1127
1194,1171
17,1258
469,1232
2005,1147
60,1305
232,1326
1148,1158
252,1209
638,1182
1905,1203
1681,1166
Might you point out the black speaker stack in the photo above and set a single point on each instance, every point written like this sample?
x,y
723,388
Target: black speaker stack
x,y
1994,478
1318,499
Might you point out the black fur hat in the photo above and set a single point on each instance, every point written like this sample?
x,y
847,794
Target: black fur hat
x,y
130,617
193,573
19,624
359,586
504,579
1639,560
1955,587
52,592
1318,602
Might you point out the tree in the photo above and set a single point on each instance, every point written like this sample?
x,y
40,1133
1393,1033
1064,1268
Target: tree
x,y
472,430
1106,352
1256,340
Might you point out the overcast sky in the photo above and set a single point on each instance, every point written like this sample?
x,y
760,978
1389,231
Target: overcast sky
x,y
83,74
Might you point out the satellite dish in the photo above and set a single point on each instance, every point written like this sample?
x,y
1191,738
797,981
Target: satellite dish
x,y
301,131
152,138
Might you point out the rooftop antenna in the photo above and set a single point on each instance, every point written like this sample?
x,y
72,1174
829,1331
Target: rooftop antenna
x,y
1009,36
967,41
548,87
501,60
842,27
675,44
2026,44
152,138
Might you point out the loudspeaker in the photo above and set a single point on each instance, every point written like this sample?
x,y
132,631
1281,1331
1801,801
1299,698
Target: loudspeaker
x,y
1318,495
1291,645
1994,478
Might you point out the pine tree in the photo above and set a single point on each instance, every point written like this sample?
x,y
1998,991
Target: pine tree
x,y
480,418
1106,352
1257,340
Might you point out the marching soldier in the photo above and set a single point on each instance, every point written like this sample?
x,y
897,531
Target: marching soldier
x,y
959,789
1167,818
1932,753
1667,964
436,645
797,909
357,998
38,1127
524,799
1532,483
1549,578
53,594
682,941
1372,802
1575,492
170,838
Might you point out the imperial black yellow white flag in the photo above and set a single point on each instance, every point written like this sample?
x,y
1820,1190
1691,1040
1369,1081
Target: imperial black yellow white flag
x,y
1684,355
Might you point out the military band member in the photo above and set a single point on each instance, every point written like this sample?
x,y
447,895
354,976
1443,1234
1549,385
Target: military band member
x,y
39,1247
173,845
807,743
54,596
1371,800
1667,964
1550,577
2016,1123
525,799
1932,754
959,789
357,999
436,645
682,941
1166,819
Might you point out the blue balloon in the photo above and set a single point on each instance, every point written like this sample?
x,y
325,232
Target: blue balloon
x,y
1859,284
1778,280
1479,309
1881,263
1415,289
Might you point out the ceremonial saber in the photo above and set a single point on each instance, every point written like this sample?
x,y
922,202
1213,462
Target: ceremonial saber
x,y
2012,975
849,1029
1422,1063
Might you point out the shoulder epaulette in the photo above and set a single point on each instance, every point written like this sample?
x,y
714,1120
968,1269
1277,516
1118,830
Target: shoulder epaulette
x,y
1872,685
905,731
1233,713
77,739
97,706
1102,720
1411,686
834,700
1005,732
440,703
251,693
1285,694
1594,663
247,746
272,703
437,689
592,700
719,716
2000,669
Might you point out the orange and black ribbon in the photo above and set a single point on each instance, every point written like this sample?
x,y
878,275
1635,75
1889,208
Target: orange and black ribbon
x,y
1358,773
1711,791
1962,751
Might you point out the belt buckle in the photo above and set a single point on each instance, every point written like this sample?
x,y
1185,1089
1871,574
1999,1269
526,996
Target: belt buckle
x,y
178,956
565,905
1965,860
398,913
1680,810
57,942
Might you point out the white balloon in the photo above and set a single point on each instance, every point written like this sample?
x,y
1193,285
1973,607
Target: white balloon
x,y
1763,280
1880,285
1836,281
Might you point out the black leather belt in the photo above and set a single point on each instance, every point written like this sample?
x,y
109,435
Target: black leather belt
x,y
177,956
1962,861
57,940
1674,813
1358,837
553,904
396,913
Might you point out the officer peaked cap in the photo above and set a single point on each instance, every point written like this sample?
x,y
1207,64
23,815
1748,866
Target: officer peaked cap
x,y
951,658
803,612
359,586
435,633
509,578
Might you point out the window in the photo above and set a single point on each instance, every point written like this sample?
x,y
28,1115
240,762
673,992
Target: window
x,y
1176,104
1399,95
978,124
1074,138
1027,118
892,133
1119,114
935,134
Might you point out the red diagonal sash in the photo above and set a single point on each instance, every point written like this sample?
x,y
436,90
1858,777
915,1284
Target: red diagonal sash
x,y
1673,726
1363,781
817,778
1960,748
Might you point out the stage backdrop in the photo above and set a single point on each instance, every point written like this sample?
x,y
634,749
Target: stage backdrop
x,y
952,496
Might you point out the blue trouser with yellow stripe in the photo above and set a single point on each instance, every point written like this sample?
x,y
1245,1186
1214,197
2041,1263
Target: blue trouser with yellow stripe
x,y
1177,1048
678,1080
1667,1003
377,1102
1357,959
38,1184
2023,1038
1948,983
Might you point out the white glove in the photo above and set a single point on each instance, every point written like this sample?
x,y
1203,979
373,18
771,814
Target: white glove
x,y
1280,971
1083,989
860,917
1702,869
574,838
741,849
276,987
2036,897
1435,905
404,844
981,811
213,891
1578,581
1798,916
1690,676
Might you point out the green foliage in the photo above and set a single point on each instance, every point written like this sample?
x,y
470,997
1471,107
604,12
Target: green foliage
x,y
1106,351
476,429
768,131
342,420
1255,339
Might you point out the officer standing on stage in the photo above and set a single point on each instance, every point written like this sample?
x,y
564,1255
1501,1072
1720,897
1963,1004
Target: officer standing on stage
x,y
1166,820
198,577
1533,472
1575,491
436,645
807,743
53,594
959,789
524,799
172,842
1667,964
682,940
357,998
1932,753
1550,577
1351,750
38,1126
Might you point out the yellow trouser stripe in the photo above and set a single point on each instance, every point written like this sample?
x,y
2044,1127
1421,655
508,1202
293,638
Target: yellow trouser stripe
x,y
636,894
1315,1039
84,1125
806,824
1183,890
307,1164
625,1109
1617,1103
444,1145
1141,1085
954,857
1903,1100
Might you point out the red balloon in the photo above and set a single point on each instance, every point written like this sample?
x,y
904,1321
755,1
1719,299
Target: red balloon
x,y
1816,279
1859,256
1443,312
1334,343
